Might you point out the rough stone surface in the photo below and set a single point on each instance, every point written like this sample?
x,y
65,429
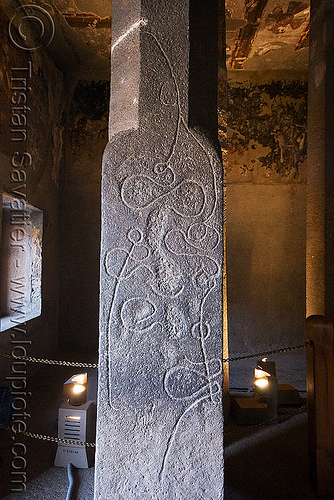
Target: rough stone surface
x,y
80,214
160,424
38,156
21,264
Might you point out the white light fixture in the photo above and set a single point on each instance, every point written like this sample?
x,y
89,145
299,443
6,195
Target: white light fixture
x,y
268,396
261,388
261,383
76,422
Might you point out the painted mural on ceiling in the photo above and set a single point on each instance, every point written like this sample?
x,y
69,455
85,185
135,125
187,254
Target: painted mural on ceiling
x,y
91,20
267,34
260,34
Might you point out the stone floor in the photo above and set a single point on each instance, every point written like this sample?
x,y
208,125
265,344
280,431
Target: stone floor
x,y
261,462
269,462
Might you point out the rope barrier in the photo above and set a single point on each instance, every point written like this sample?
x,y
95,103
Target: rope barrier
x,y
267,353
45,437
95,365
50,361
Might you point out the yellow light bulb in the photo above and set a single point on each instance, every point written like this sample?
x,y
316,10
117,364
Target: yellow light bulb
x,y
78,388
261,382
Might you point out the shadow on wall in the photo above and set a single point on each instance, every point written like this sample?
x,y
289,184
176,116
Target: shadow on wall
x,y
80,215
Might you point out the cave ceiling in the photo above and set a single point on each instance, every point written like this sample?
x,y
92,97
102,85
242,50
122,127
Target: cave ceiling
x,y
267,34
260,34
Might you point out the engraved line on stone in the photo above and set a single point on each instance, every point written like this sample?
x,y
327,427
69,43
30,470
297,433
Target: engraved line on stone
x,y
107,255
177,93
109,321
211,166
193,332
130,306
202,339
183,369
161,96
112,405
173,294
143,205
180,118
203,335
201,363
134,26
161,169
131,235
145,257
218,268
202,238
120,250
130,273
173,433
135,236
188,240
175,429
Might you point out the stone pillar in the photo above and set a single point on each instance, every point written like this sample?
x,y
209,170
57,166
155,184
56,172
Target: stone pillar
x,y
320,174
160,418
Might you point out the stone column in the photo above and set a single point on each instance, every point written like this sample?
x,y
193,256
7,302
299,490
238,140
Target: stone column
x,y
160,419
320,174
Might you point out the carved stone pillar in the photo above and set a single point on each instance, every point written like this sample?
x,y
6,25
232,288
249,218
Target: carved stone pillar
x,y
160,418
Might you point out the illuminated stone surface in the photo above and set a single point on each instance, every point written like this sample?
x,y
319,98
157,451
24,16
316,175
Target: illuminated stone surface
x,y
160,423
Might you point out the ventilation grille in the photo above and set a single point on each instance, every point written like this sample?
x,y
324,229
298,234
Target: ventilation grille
x,y
72,429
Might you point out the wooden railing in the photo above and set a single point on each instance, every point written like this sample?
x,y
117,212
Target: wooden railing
x,y
320,396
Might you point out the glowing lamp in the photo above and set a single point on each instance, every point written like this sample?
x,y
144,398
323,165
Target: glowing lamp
x,y
263,406
75,390
261,386
80,379
78,389
76,424
261,383
265,389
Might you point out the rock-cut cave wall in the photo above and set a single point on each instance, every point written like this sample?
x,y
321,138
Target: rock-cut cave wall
x,y
265,125
32,124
